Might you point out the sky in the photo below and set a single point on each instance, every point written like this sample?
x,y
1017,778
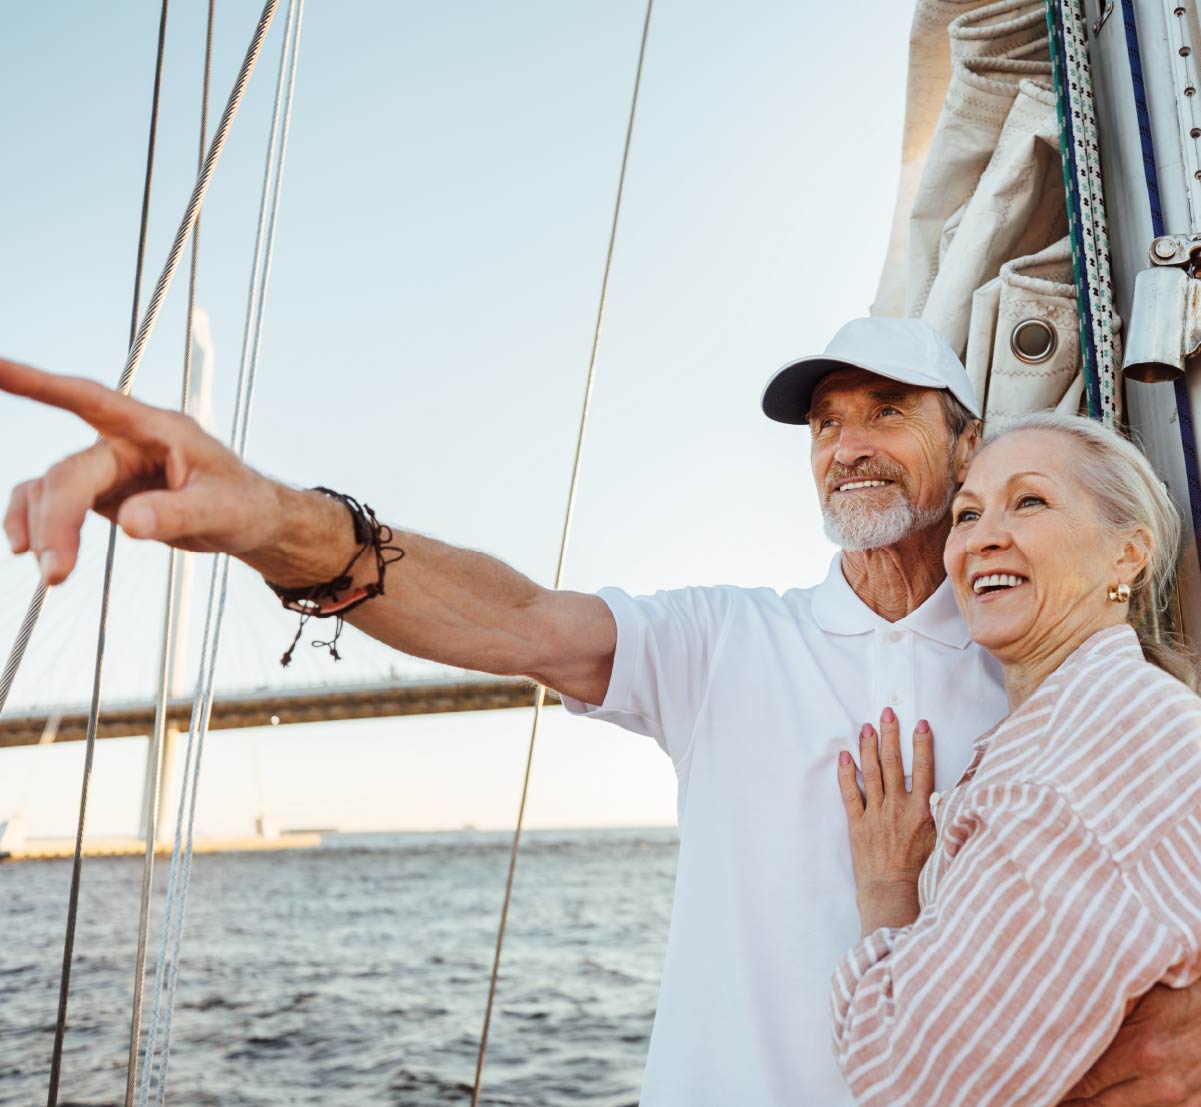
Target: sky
x,y
446,206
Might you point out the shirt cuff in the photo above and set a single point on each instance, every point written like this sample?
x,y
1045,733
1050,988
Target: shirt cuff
x,y
854,966
626,616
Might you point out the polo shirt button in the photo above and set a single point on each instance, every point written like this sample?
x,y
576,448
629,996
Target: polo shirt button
x,y
895,699
895,635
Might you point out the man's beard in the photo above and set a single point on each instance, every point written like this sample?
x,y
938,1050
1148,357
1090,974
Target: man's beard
x,y
857,525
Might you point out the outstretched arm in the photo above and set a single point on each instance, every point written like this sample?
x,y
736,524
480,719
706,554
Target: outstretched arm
x,y
160,477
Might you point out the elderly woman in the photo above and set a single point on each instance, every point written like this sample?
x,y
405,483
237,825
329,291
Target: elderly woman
x,y
1065,877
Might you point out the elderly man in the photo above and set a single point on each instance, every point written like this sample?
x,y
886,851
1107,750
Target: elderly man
x,y
752,694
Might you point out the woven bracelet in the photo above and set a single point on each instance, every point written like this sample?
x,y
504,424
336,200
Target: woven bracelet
x,y
332,599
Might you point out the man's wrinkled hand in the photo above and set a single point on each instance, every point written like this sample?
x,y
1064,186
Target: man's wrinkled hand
x,y
154,472
1155,1060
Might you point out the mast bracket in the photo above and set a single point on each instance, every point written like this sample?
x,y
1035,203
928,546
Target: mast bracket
x,y
1165,317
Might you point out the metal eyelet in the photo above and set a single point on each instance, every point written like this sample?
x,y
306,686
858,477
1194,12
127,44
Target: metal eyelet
x,y
1033,341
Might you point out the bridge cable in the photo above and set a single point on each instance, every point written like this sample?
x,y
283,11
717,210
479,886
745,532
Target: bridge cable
x,y
179,878
167,658
568,516
60,1025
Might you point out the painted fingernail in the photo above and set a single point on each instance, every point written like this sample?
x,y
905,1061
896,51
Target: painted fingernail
x,y
844,758
923,726
48,563
889,715
867,731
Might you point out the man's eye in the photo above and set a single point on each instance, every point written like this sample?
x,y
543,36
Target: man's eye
x,y
826,423
888,409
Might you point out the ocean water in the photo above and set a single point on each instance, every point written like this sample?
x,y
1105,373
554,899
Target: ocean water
x,y
355,973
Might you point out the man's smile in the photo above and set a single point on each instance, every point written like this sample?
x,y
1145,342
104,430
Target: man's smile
x,y
857,485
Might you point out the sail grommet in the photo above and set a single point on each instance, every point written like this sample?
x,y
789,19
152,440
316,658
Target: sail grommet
x,y
1033,341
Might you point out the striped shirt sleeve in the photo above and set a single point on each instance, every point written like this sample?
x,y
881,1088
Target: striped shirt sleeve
x,y
1013,979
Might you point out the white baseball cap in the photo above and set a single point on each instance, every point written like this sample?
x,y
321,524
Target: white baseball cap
x,y
907,350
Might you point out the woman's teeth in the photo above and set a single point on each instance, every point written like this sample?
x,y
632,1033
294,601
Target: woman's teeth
x,y
996,580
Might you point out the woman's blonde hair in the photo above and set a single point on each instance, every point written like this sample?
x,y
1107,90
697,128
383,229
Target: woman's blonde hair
x,y
1131,497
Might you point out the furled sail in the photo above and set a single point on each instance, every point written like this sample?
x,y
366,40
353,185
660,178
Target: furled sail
x,y
1029,306
979,245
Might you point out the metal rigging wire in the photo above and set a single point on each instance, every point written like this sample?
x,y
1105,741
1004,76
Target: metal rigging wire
x,y
138,343
138,348
167,967
64,988
563,542
167,660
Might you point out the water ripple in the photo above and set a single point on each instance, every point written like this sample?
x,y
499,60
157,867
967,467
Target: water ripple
x,y
355,974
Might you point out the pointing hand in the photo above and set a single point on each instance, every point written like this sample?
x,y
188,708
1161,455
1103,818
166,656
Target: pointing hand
x,y
154,472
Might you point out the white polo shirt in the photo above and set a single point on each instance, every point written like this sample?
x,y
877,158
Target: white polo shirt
x,y
753,694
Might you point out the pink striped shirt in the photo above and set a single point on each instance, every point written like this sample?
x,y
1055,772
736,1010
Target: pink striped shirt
x,y
1066,881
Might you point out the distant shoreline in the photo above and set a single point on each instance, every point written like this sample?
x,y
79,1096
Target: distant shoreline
x,y
490,831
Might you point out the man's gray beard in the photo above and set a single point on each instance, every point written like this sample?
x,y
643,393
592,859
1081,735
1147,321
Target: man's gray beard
x,y
859,526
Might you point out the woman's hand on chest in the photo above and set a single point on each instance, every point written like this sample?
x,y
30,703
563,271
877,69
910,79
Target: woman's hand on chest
x,y
891,827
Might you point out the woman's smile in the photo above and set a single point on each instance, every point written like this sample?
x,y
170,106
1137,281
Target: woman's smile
x,y
1028,555
998,582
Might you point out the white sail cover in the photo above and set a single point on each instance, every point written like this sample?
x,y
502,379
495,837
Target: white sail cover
x,y
979,240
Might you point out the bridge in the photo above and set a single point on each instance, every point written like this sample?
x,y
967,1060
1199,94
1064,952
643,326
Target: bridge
x,y
278,707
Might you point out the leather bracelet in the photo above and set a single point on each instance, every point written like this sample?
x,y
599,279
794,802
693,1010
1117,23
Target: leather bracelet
x,y
334,598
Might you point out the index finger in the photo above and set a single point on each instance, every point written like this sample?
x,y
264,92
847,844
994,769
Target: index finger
x,y
110,412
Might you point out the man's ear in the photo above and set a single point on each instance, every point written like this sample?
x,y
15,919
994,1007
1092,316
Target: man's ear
x,y
966,448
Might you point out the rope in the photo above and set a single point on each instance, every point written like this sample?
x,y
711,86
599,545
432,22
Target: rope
x,y
1080,155
568,516
1088,355
1184,409
179,878
64,987
1054,42
1094,223
167,659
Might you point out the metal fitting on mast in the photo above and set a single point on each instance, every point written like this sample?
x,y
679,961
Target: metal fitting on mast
x,y
1165,318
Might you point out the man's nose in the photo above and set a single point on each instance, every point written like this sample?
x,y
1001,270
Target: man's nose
x,y
854,445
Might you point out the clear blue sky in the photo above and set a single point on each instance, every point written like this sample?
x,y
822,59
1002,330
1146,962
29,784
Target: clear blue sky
x,y
445,214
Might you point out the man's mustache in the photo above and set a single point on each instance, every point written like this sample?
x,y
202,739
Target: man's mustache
x,y
869,470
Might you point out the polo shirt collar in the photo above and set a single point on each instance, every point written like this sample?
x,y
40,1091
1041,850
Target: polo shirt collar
x,y
837,610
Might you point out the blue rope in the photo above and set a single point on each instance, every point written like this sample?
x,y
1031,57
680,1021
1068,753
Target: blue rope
x,y
1184,409
1144,117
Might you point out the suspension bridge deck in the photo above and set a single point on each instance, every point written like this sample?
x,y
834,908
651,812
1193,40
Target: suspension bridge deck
x,y
280,707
